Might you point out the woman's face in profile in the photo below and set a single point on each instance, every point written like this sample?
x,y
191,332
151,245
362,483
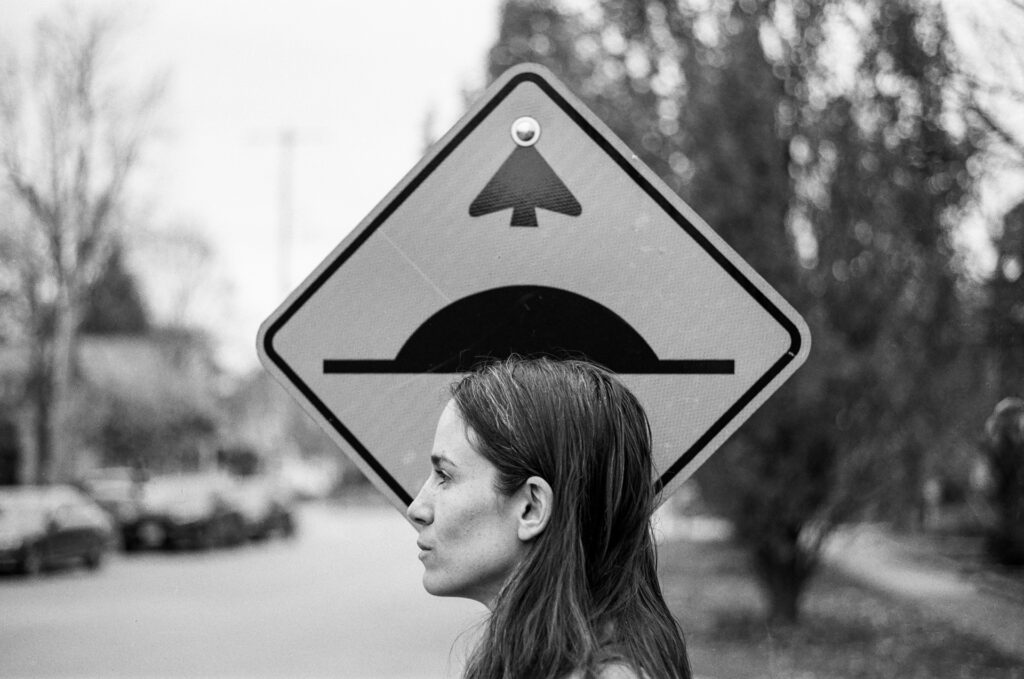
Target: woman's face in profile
x,y
467,530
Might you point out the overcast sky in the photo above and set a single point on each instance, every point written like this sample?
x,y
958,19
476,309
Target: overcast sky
x,y
354,81
358,83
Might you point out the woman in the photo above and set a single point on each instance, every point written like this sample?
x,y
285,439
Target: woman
x,y
539,507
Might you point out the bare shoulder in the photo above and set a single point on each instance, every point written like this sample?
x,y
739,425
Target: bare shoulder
x,y
619,671
615,670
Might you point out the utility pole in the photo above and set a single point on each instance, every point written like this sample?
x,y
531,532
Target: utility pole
x,y
286,138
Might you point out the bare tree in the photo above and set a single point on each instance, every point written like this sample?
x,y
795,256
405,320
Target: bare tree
x,y
71,131
179,263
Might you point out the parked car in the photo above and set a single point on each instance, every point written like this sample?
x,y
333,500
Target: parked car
x,y
186,510
43,526
261,494
266,504
119,491
311,479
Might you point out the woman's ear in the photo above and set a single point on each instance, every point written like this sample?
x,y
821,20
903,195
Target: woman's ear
x,y
535,508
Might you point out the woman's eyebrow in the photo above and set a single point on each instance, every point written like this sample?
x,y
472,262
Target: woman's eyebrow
x,y
437,459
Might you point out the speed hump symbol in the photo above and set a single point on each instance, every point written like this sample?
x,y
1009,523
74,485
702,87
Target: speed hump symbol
x,y
529,228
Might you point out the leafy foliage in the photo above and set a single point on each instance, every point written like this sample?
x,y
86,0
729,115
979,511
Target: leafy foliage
x,y
840,180
156,436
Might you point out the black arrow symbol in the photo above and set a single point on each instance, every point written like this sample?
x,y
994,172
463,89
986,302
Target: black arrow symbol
x,y
525,182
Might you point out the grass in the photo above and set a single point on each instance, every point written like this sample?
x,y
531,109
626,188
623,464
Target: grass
x,y
847,630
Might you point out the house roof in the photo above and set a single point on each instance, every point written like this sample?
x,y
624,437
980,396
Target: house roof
x,y
150,367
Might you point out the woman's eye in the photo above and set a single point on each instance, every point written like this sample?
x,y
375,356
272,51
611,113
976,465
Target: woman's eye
x,y
442,477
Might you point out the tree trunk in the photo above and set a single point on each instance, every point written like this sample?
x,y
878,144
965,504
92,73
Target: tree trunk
x,y
784,602
783,571
51,384
65,333
40,395
41,400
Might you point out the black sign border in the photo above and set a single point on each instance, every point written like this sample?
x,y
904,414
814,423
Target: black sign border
x,y
629,168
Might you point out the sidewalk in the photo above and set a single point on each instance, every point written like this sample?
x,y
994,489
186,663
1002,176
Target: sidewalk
x,y
880,560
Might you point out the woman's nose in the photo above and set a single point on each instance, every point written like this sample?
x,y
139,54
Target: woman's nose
x,y
419,511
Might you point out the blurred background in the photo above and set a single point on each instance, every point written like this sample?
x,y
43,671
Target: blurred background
x,y
169,171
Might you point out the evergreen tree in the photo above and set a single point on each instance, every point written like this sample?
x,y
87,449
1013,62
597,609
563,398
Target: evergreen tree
x,y
114,304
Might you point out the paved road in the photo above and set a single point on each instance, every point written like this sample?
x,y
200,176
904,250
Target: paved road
x,y
342,600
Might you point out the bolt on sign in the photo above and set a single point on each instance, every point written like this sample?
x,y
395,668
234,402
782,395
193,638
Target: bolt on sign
x,y
529,228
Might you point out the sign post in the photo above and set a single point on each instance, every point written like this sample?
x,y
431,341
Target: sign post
x,y
529,228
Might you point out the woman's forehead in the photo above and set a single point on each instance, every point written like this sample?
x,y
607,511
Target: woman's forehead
x,y
454,441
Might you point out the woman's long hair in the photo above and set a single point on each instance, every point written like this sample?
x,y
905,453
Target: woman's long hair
x,y
587,592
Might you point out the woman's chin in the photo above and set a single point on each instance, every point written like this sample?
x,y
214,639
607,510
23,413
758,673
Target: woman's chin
x,y
435,586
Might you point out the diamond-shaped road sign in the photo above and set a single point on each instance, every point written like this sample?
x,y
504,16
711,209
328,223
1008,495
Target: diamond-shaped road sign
x,y
529,228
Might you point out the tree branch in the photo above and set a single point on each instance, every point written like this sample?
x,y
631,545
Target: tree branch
x,y
995,127
39,208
